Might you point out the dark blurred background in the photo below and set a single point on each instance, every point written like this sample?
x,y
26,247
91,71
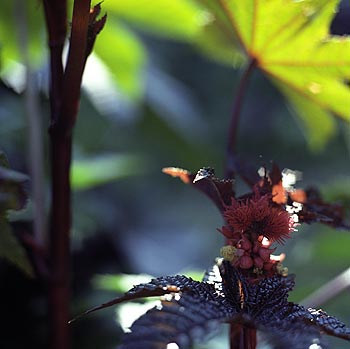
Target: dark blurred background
x,y
155,101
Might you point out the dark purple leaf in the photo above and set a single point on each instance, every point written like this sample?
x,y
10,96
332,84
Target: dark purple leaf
x,y
159,287
182,321
190,310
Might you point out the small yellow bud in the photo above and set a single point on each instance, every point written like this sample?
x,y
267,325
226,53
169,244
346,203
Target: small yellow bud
x,y
229,253
257,271
281,269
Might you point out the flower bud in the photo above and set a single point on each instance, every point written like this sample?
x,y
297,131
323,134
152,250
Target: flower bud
x,y
265,253
245,262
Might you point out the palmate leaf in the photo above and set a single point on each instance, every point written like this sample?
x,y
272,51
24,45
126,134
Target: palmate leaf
x,y
191,309
184,321
290,42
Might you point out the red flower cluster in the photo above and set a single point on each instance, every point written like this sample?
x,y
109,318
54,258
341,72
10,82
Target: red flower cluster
x,y
253,224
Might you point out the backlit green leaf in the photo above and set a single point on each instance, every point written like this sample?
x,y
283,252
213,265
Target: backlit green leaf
x,y
123,53
291,44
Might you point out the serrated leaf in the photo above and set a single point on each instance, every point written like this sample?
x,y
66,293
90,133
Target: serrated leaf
x,y
290,42
184,321
11,250
88,173
191,310
158,287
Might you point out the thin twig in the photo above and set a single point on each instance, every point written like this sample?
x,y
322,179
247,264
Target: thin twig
x,y
236,111
328,291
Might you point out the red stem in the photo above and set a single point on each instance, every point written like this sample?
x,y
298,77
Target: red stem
x,y
242,337
64,100
236,111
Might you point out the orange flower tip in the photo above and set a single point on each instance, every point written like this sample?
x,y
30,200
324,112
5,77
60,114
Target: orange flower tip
x,y
177,172
229,253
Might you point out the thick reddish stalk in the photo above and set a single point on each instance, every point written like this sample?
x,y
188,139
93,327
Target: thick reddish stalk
x,y
242,337
64,101
59,293
236,111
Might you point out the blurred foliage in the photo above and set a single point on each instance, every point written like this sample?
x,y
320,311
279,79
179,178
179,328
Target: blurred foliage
x,y
87,173
156,100
125,57
12,197
11,250
11,42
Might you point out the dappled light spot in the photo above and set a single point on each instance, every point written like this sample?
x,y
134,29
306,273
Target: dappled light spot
x,y
315,346
315,88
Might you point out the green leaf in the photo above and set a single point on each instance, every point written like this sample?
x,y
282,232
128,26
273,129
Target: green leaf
x,y
218,47
10,32
303,108
11,250
291,44
88,173
180,19
12,194
124,55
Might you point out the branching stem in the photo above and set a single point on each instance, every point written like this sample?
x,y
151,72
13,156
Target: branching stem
x,y
64,100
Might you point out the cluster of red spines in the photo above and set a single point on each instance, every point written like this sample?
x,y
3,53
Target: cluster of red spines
x,y
252,225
